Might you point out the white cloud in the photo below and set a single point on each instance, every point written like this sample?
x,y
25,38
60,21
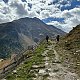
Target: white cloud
x,y
57,24
72,18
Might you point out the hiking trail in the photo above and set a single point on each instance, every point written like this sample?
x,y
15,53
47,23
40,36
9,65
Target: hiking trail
x,y
52,69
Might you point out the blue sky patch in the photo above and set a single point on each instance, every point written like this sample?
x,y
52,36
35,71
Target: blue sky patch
x,y
74,3
30,5
5,1
47,20
24,0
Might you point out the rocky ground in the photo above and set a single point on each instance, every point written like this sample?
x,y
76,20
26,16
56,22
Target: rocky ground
x,y
52,69
44,65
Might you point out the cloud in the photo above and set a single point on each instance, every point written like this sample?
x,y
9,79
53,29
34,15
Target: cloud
x,y
3,11
21,9
69,10
13,10
71,19
5,1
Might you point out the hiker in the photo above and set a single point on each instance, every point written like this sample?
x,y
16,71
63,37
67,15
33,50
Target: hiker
x,y
47,37
57,38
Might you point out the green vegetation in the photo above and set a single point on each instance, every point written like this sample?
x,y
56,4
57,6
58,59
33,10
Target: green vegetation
x,y
23,71
5,52
50,54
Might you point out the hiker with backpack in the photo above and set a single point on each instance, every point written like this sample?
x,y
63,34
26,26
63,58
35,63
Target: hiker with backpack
x,y
47,38
57,38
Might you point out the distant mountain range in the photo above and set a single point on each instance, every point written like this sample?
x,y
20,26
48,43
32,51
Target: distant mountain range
x,y
15,36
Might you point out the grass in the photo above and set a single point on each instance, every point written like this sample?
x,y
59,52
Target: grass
x,y
24,70
51,54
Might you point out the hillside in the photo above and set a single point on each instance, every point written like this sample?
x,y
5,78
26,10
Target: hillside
x,y
43,64
72,40
69,50
51,61
15,36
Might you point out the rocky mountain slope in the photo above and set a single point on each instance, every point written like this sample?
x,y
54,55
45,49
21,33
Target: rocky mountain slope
x,y
43,64
69,50
15,36
72,40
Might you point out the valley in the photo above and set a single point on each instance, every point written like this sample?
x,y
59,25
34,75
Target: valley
x,y
17,35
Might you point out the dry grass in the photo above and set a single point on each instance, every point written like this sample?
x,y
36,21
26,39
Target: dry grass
x,y
5,63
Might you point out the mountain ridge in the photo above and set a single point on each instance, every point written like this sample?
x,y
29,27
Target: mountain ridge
x,y
15,36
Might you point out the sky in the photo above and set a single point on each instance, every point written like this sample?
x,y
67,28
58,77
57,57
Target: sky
x,y
64,14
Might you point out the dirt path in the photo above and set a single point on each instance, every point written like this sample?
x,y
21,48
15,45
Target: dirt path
x,y
53,69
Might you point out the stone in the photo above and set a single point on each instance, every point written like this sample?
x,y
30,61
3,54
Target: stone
x,y
35,66
52,74
14,71
78,51
3,79
46,63
46,58
42,72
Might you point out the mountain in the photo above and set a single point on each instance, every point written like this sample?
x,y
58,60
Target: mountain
x,y
69,50
73,38
15,36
